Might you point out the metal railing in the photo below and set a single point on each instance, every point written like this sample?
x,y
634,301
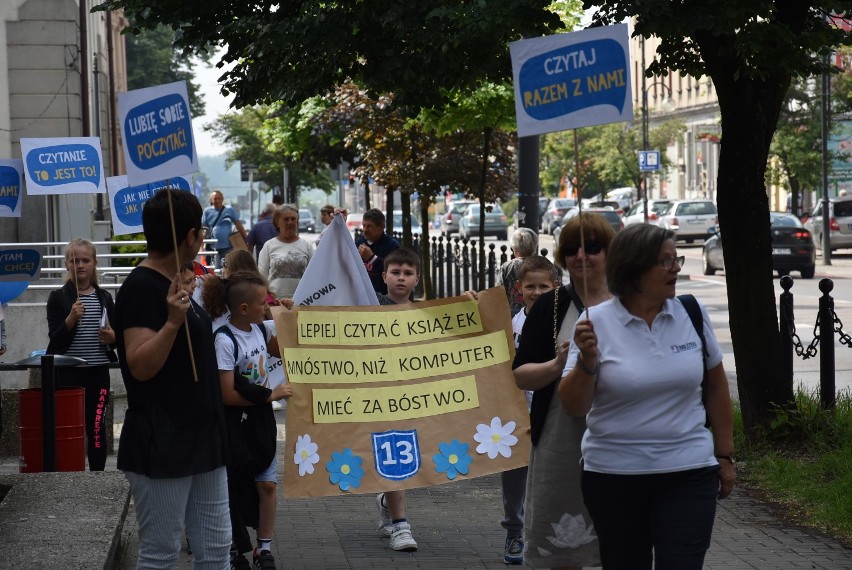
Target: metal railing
x,y
109,276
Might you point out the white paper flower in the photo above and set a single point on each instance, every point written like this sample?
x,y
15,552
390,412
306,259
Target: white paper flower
x,y
306,455
571,532
496,438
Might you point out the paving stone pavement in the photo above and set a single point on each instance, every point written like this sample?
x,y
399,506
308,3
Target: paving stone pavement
x,y
457,526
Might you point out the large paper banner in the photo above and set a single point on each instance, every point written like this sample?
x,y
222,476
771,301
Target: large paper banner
x,y
11,187
567,81
70,165
127,201
398,397
20,263
157,131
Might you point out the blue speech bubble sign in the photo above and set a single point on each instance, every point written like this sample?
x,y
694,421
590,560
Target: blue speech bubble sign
x,y
575,77
158,130
64,164
10,187
19,262
129,201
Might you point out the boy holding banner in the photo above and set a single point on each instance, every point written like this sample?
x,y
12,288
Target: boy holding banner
x,y
401,275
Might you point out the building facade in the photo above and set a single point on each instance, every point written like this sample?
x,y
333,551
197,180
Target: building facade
x,y
61,67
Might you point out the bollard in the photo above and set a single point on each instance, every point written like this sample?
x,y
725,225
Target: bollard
x,y
785,327
826,339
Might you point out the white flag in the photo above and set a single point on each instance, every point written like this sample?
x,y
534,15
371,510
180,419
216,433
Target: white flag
x,y
335,275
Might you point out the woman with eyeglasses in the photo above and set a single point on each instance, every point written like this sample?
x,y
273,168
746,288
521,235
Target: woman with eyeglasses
x,y
557,528
659,445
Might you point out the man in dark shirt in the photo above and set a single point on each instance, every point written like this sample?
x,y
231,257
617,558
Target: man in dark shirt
x,y
262,231
373,245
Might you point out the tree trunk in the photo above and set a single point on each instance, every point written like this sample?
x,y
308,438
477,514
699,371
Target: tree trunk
x,y
750,109
486,145
389,209
366,193
405,198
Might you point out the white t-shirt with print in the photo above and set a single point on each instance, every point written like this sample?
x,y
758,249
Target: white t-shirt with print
x,y
647,416
252,358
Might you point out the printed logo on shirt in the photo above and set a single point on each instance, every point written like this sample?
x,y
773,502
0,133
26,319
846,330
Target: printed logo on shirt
x,y
684,347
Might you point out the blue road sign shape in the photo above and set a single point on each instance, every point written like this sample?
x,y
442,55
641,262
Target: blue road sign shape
x,y
396,454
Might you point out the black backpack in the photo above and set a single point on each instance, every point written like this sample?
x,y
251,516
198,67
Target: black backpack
x,y
694,311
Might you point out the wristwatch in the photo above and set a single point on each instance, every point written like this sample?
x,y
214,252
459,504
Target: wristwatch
x,y
728,458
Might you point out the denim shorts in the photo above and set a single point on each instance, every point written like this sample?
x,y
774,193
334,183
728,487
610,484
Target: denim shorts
x,y
270,473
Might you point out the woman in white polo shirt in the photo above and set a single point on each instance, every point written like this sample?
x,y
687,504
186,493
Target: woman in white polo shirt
x,y
651,468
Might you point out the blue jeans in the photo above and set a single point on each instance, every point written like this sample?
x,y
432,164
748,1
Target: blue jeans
x,y
663,519
165,507
514,486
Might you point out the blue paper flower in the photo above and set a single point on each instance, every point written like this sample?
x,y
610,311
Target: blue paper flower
x,y
345,469
453,459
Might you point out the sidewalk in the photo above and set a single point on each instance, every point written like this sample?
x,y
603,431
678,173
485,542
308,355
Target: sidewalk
x,y
457,526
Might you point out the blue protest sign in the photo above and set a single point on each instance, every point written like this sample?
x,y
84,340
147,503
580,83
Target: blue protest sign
x,y
127,201
572,80
11,187
157,129
20,263
70,165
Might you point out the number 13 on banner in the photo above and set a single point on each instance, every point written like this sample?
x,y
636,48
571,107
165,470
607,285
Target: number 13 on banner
x,y
396,454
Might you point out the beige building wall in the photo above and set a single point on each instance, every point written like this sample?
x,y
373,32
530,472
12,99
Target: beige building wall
x,y
41,66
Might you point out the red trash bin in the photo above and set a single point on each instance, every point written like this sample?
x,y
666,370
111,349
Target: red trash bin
x,y
70,430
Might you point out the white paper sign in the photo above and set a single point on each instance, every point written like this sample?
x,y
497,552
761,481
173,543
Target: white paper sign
x,y
11,187
567,81
71,165
157,130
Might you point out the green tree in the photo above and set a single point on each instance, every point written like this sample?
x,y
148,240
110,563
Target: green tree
x,y
751,51
152,60
415,50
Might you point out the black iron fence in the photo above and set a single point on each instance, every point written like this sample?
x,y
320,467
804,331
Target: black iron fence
x,y
826,326
454,265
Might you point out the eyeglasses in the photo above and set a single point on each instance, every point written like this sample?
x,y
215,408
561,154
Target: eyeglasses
x,y
589,248
668,262
224,264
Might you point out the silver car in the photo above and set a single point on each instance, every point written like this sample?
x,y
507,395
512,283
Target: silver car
x,y
450,220
840,223
690,219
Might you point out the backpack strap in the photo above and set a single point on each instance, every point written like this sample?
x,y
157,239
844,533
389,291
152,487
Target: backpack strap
x,y
227,332
694,311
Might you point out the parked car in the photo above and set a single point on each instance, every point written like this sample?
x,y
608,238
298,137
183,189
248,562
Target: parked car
x,y
556,209
353,222
792,247
603,204
609,213
624,197
840,223
690,219
450,220
307,223
496,223
636,213
396,225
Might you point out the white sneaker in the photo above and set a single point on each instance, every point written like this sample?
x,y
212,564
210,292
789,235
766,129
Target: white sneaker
x,y
401,538
276,406
385,524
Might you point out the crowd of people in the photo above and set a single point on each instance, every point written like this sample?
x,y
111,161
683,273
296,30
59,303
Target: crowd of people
x,y
630,415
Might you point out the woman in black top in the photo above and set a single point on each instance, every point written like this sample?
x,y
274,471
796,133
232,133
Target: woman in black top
x,y
78,319
172,446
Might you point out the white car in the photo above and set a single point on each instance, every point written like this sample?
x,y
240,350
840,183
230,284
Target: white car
x,y
690,219
636,213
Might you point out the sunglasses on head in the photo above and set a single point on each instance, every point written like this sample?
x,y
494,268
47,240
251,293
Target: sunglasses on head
x,y
590,248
